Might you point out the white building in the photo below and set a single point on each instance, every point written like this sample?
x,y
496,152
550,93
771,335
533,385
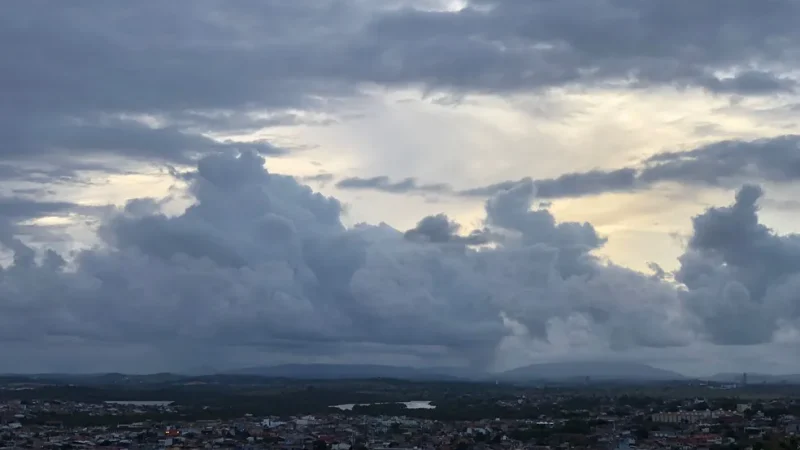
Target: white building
x,y
686,416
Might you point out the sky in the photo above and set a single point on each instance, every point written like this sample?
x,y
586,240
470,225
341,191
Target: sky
x,y
476,183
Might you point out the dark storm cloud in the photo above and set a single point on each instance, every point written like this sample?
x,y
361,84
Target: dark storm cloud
x,y
770,159
440,229
137,140
226,55
81,78
724,163
750,83
70,141
741,278
19,173
535,43
85,76
262,261
16,211
57,169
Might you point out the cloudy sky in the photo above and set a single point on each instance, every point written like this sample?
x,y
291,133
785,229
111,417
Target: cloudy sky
x,y
477,183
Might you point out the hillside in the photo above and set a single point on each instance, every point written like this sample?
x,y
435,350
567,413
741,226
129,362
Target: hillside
x,y
755,378
600,370
344,371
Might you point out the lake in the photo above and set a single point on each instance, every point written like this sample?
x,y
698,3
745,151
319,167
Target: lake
x,y
139,403
417,404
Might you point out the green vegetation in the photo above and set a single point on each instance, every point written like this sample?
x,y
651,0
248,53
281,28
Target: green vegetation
x,y
228,397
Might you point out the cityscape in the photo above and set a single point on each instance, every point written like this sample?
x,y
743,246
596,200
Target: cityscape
x,y
246,412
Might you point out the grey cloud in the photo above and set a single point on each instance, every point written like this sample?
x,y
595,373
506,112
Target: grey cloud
x,y
223,55
568,185
494,188
33,191
238,122
383,183
262,261
69,141
17,173
581,41
321,178
206,65
21,208
15,212
720,164
510,210
740,277
724,163
136,140
658,272
770,159
441,230
750,83
788,205
55,170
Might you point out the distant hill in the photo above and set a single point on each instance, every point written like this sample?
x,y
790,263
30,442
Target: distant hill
x,y
110,378
346,371
755,378
600,370
199,371
569,372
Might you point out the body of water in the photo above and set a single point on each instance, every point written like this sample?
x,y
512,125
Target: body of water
x,y
417,404
139,403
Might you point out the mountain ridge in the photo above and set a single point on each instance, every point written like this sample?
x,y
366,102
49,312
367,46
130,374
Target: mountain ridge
x,y
558,372
754,378
600,370
594,370
345,371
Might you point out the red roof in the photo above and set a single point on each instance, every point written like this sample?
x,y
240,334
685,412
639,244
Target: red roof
x,y
327,438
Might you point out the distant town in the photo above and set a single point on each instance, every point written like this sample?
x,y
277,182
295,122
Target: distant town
x,y
251,411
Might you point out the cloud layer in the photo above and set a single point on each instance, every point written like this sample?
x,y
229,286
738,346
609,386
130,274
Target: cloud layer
x,y
156,81
261,267
262,261
720,164
741,277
